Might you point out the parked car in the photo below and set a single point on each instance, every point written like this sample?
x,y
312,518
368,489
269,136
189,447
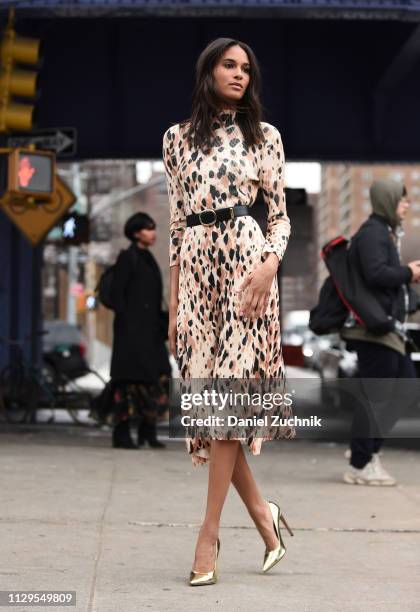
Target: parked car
x,y
303,348
334,360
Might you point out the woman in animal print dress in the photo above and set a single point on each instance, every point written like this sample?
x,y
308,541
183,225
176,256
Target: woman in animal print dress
x,y
224,298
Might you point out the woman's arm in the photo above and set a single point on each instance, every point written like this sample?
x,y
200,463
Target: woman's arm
x,y
272,181
278,225
177,219
177,225
373,246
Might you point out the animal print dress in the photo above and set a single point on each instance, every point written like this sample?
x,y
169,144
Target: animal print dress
x,y
213,340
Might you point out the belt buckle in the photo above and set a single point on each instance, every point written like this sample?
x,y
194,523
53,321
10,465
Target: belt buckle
x,y
232,216
211,222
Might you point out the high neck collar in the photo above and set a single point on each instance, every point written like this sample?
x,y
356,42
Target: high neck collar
x,y
226,116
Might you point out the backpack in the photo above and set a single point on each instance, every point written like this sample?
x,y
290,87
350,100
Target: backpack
x,y
330,314
103,289
353,292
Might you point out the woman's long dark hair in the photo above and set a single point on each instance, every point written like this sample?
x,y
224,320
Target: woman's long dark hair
x,y
206,103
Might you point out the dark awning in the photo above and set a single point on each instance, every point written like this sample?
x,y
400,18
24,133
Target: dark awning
x,y
399,10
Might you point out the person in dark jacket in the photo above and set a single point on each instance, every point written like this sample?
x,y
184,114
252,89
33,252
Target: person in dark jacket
x,y
376,251
140,367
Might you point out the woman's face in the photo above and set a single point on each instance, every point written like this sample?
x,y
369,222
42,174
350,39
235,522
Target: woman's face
x,y
231,74
146,237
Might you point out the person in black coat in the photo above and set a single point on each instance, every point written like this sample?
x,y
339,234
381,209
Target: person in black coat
x,y
376,252
140,367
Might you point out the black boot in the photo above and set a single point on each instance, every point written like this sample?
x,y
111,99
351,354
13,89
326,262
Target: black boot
x,y
121,437
149,432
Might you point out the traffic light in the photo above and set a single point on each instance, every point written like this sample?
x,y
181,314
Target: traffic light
x,y
15,50
31,173
75,229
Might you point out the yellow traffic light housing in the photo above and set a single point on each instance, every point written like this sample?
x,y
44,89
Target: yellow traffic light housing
x,y
14,81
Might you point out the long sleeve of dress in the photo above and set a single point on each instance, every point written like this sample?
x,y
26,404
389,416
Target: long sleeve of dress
x,y
177,220
272,184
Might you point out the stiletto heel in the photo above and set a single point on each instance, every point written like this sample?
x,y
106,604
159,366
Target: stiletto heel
x,y
283,520
271,557
201,579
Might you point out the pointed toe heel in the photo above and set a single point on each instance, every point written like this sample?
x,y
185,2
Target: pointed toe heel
x,y
204,578
271,557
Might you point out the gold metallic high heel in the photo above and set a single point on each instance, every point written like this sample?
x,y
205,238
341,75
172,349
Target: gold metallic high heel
x,y
271,557
201,579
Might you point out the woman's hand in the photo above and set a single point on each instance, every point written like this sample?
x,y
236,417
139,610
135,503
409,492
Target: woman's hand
x,y
258,285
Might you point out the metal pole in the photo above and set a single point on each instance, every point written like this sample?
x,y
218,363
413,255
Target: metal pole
x,y
72,269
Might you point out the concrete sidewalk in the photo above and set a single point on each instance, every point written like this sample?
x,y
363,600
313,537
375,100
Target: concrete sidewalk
x,y
120,527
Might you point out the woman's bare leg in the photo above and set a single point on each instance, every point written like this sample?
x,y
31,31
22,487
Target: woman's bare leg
x,y
244,483
222,461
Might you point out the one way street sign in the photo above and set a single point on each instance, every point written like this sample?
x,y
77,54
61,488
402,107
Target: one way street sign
x,y
60,140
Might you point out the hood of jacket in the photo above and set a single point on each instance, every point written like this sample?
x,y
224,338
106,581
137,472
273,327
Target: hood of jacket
x,y
384,196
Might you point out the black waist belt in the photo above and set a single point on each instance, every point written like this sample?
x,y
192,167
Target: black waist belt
x,y
210,216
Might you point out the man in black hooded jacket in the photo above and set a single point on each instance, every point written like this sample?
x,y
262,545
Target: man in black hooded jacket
x,y
375,250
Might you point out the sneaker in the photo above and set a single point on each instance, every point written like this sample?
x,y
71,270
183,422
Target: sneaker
x,y
370,475
390,480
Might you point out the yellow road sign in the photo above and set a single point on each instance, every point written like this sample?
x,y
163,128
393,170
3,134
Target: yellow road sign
x,y
35,220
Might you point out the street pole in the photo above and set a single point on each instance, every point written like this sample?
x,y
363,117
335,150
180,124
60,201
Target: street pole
x,y
72,269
